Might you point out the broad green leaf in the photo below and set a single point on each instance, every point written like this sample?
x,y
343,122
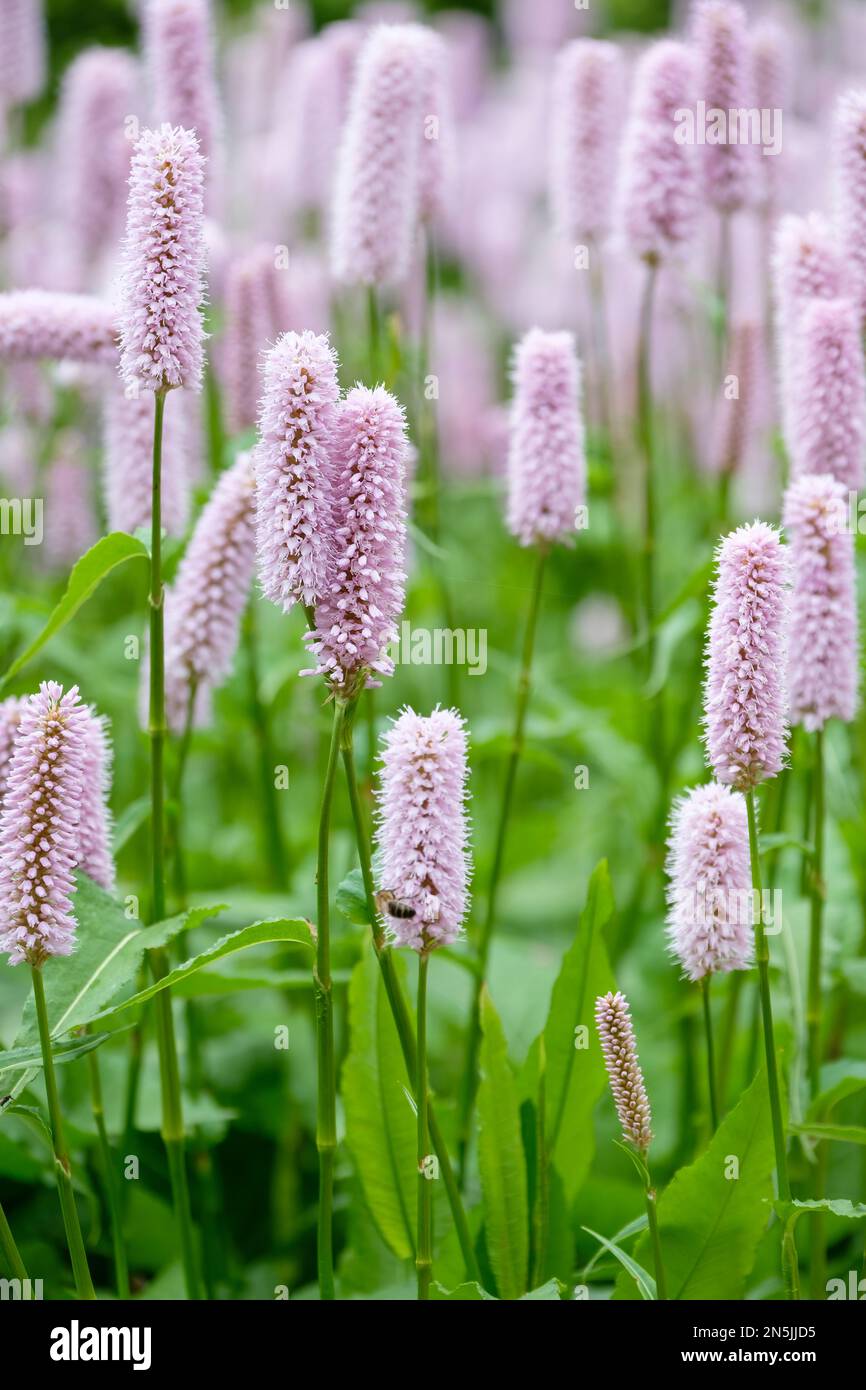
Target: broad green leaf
x,y
209,983
107,955
87,574
842,1134
710,1220
644,1282
352,900
380,1123
501,1160
464,1293
296,931
25,1058
575,1075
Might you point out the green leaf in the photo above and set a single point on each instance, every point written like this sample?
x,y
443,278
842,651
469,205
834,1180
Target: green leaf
x,y
576,1076
550,1292
631,1229
87,574
295,930
644,1282
790,1212
711,1224
131,819
843,1134
380,1124
108,953
845,1077
352,900
25,1058
501,1160
464,1293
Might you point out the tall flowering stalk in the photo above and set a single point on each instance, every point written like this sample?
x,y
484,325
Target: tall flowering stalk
x,y
657,202
162,348
849,167
46,788
709,896
823,674
422,838
546,485
828,409
64,327
616,1035
745,733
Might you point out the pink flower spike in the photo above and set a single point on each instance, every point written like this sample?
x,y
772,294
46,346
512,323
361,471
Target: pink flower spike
x,y
823,656
584,137
293,469
39,826
828,413
422,830
356,618
11,710
658,195
729,168
163,271
128,460
65,327
745,727
709,896
546,464
616,1034
22,51
849,144
254,318
377,181
205,605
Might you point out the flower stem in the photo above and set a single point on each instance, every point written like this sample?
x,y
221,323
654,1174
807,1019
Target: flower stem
x,y
112,1197
172,1108
813,1011
762,958
374,336
10,1250
62,1169
711,1056
653,1222
645,443
326,1123
399,1007
470,1071
276,854
424,1251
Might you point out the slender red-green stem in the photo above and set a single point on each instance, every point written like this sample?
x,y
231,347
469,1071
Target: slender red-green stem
x,y
400,1009
817,892
470,1069
374,336
109,1178
817,1222
62,1168
268,795
711,1056
645,443
11,1253
173,1133
424,1249
655,1239
326,1122
762,959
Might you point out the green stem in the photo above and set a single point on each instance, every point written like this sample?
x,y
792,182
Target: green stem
x,y
62,1169
374,336
177,799
326,1124
729,1031
711,1058
470,1071
813,1011
400,1010
10,1250
109,1178
172,1108
645,441
276,853
762,958
655,1238
424,1250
